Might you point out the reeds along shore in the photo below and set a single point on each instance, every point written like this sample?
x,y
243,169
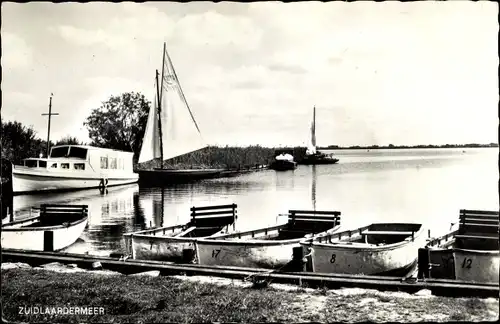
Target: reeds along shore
x,y
228,157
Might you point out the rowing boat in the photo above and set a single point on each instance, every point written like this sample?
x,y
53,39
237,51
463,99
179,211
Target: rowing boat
x,y
269,247
376,249
175,243
54,228
469,253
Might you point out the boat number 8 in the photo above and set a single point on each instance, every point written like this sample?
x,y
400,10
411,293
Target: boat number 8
x,y
467,263
332,259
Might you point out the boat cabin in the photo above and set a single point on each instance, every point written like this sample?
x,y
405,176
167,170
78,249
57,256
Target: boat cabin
x,y
81,158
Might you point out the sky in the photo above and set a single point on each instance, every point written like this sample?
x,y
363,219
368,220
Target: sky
x,y
378,73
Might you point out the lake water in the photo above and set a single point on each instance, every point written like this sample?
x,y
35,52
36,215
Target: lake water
x,y
427,186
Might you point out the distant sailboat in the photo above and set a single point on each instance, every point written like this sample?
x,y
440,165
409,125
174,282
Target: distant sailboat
x,y
312,155
171,130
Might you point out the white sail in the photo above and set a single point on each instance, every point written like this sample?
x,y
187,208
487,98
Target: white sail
x,y
179,131
150,148
311,148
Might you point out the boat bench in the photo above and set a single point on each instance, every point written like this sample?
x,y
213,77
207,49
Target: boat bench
x,y
408,233
210,216
313,219
52,213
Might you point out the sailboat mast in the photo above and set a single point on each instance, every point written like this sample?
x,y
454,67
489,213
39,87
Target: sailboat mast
x,y
160,93
159,118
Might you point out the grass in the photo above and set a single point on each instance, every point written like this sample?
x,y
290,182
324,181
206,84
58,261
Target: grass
x,y
223,157
137,299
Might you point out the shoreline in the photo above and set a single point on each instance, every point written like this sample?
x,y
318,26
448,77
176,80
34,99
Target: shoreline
x,y
148,297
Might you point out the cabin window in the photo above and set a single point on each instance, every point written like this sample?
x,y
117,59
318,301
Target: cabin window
x,y
104,162
53,166
42,164
79,166
30,163
59,151
64,165
77,152
112,163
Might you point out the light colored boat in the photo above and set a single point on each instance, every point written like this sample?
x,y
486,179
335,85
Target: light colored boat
x,y
377,249
270,247
71,167
55,228
176,243
469,253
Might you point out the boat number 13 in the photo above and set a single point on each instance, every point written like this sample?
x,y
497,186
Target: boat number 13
x,y
332,259
467,263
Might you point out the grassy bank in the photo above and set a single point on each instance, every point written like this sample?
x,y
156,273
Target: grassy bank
x,y
167,299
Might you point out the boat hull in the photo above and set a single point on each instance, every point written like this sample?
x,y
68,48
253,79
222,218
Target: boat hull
x,y
273,254
161,248
399,260
307,161
166,176
24,181
465,265
345,257
283,165
35,239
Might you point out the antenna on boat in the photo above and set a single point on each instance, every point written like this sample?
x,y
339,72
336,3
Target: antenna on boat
x,y
50,114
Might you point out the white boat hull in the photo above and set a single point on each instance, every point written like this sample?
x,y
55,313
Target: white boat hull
x,y
252,254
327,259
466,265
24,181
33,239
358,258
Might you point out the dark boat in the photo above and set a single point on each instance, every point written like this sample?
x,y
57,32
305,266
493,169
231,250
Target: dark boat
x,y
283,162
312,156
318,158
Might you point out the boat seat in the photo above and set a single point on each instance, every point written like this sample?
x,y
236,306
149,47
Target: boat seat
x,y
477,237
190,229
387,233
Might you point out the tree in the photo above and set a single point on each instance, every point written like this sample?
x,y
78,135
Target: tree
x,y
19,142
67,140
120,122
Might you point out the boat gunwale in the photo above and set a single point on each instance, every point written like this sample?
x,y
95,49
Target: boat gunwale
x,y
6,228
259,242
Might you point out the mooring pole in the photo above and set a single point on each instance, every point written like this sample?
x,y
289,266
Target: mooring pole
x,y
50,114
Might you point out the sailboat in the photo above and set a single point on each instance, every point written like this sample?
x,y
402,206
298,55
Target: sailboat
x,y
171,131
313,156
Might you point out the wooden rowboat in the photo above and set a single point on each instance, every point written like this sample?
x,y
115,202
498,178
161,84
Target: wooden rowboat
x,y
377,249
55,228
469,253
176,243
270,247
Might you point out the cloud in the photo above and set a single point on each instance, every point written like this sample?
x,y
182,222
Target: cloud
x,y
15,52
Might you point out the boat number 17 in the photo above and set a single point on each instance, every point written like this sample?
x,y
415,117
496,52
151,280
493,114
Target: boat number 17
x,y
467,263
215,253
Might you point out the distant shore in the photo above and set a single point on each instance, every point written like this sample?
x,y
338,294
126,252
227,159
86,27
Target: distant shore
x,y
390,146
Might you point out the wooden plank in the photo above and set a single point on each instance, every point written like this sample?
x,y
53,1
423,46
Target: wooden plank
x,y
481,212
438,287
387,233
480,220
221,212
314,220
315,212
479,225
477,237
234,206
